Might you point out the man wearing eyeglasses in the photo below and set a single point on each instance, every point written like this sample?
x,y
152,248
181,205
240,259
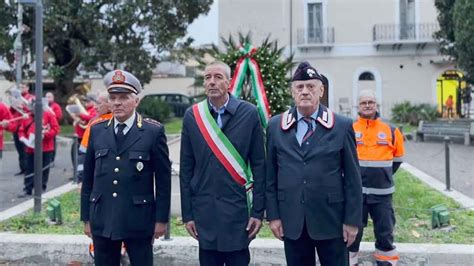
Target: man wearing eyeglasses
x,y
380,150
313,185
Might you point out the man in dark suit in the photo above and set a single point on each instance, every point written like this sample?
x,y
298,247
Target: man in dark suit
x,y
222,137
313,185
126,191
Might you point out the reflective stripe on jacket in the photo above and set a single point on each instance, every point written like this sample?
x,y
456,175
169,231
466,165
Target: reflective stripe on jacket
x,y
378,146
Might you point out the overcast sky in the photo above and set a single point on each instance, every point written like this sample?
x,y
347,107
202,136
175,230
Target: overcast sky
x,y
204,29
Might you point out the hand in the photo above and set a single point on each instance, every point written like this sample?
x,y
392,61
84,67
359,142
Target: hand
x,y
349,232
191,228
253,226
277,228
4,123
160,229
87,229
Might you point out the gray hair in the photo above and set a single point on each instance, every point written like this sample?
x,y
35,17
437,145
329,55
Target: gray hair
x,y
222,64
367,93
103,95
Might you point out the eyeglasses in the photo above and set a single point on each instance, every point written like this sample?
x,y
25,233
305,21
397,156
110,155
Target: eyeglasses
x,y
367,103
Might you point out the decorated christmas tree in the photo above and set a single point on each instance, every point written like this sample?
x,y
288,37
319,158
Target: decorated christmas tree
x,y
260,73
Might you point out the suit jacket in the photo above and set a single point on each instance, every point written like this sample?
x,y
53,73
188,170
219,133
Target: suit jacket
x,y
209,196
319,185
126,189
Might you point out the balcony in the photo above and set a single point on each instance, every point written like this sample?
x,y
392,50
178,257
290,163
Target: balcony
x,y
315,38
397,35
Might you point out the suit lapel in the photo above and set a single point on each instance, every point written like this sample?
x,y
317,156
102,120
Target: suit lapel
x,y
320,130
110,135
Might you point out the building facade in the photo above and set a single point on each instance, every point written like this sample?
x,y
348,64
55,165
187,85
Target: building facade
x,y
384,45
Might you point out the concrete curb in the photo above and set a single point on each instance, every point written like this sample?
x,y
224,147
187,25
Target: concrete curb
x,y
463,200
25,206
63,249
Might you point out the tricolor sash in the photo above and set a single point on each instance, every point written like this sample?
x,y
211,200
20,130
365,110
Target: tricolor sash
x,y
223,149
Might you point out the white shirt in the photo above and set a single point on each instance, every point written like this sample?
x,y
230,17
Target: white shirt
x,y
128,124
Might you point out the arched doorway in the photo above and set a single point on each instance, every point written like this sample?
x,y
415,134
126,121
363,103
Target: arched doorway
x,y
366,79
450,83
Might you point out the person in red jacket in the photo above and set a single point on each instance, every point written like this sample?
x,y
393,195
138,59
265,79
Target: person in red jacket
x,y
5,115
80,124
27,136
58,113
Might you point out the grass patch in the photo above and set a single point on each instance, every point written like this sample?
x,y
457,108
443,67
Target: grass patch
x,y
412,201
174,125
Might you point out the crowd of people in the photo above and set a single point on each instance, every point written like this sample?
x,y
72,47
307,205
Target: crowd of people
x,y
316,179
18,118
316,176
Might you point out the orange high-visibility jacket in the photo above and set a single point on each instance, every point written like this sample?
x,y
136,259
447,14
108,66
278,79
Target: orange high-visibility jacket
x,y
85,137
379,146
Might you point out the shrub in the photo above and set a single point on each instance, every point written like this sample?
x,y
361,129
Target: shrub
x,y
405,112
155,109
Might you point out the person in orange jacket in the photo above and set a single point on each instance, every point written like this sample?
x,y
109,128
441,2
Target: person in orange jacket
x,y
380,150
104,113
27,135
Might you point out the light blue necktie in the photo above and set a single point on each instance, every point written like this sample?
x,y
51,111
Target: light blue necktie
x,y
219,118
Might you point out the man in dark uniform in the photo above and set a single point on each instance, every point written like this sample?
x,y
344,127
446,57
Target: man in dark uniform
x,y
126,191
313,185
222,158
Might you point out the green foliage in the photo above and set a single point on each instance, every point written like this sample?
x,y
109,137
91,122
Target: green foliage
x,y
102,35
174,125
405,112
411,202
273,67
464,36
456,34
154,108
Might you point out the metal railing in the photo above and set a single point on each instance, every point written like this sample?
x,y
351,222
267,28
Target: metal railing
x,y
408,32
315,36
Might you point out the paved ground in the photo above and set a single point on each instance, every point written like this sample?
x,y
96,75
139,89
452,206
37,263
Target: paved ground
x,y
430,158
11,186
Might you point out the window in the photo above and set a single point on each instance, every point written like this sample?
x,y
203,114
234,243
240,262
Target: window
x,y
407,19
366,76
315,22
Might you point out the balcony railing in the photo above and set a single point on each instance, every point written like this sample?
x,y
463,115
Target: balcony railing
x,y
314,37
408,33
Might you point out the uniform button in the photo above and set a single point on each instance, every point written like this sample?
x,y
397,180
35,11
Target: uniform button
x,y
304,181
114,195
139,157
144,201
115,182
304,163
93,199
117,158
116,170
302,202
307,143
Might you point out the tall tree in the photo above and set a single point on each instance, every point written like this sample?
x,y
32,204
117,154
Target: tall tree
x,y
102,35
456,34
464,36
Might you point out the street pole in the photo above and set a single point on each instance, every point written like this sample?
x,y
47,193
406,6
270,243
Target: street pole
x,y
447,167
38,159
19,46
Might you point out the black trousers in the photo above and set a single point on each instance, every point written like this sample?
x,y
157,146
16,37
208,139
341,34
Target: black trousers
x,y
30,169
381,211
20,148
107,251
301,252
218,258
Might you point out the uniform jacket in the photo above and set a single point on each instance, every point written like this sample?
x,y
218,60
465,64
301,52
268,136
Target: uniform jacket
x,y
379,147
209,196
50,130
127,189
319,185
56,108
4,115
80,128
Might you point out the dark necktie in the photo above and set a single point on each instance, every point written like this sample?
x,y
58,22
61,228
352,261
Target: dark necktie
x,y
120,135
310,131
